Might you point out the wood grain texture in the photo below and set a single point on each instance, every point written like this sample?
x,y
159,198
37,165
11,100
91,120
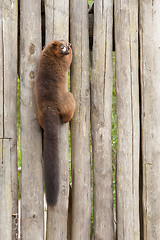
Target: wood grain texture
x,y
101,115
1,71
56,20
10,68
150,115
57,27
80,126
8,87
57,216
127,86
5,190
31,142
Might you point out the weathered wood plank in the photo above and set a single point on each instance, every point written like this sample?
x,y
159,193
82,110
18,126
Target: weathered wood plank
x,y
126,37
80,126
1,70
101,113
57,27
150,115
10,67
57,217
31,142
8,89
56,20
5,190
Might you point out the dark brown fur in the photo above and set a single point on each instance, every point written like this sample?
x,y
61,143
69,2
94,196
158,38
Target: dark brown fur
x,y
53,103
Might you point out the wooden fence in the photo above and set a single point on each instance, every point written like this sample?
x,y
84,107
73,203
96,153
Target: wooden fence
x,y
137,51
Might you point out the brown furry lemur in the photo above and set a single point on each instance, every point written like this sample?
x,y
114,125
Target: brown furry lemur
x,y
53,103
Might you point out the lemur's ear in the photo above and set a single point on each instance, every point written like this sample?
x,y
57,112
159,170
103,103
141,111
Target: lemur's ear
x,y
70,45
54,44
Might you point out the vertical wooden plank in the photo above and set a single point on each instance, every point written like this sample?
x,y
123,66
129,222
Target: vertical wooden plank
x,y
101,119
8,51
56,20
57,27
126,37
1,70
31,142
80,127
8,89
5,190
10,67
150,115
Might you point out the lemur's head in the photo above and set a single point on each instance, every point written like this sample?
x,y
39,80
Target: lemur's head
x,y
59,48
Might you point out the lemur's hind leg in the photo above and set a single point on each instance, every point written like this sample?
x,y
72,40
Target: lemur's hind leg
x,y
67,107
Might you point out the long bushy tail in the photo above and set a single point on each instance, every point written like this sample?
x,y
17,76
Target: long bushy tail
x,y
50,155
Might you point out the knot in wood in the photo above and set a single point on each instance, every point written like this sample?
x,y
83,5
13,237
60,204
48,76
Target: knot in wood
x,y
87,92
32,75
32,49
101,124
